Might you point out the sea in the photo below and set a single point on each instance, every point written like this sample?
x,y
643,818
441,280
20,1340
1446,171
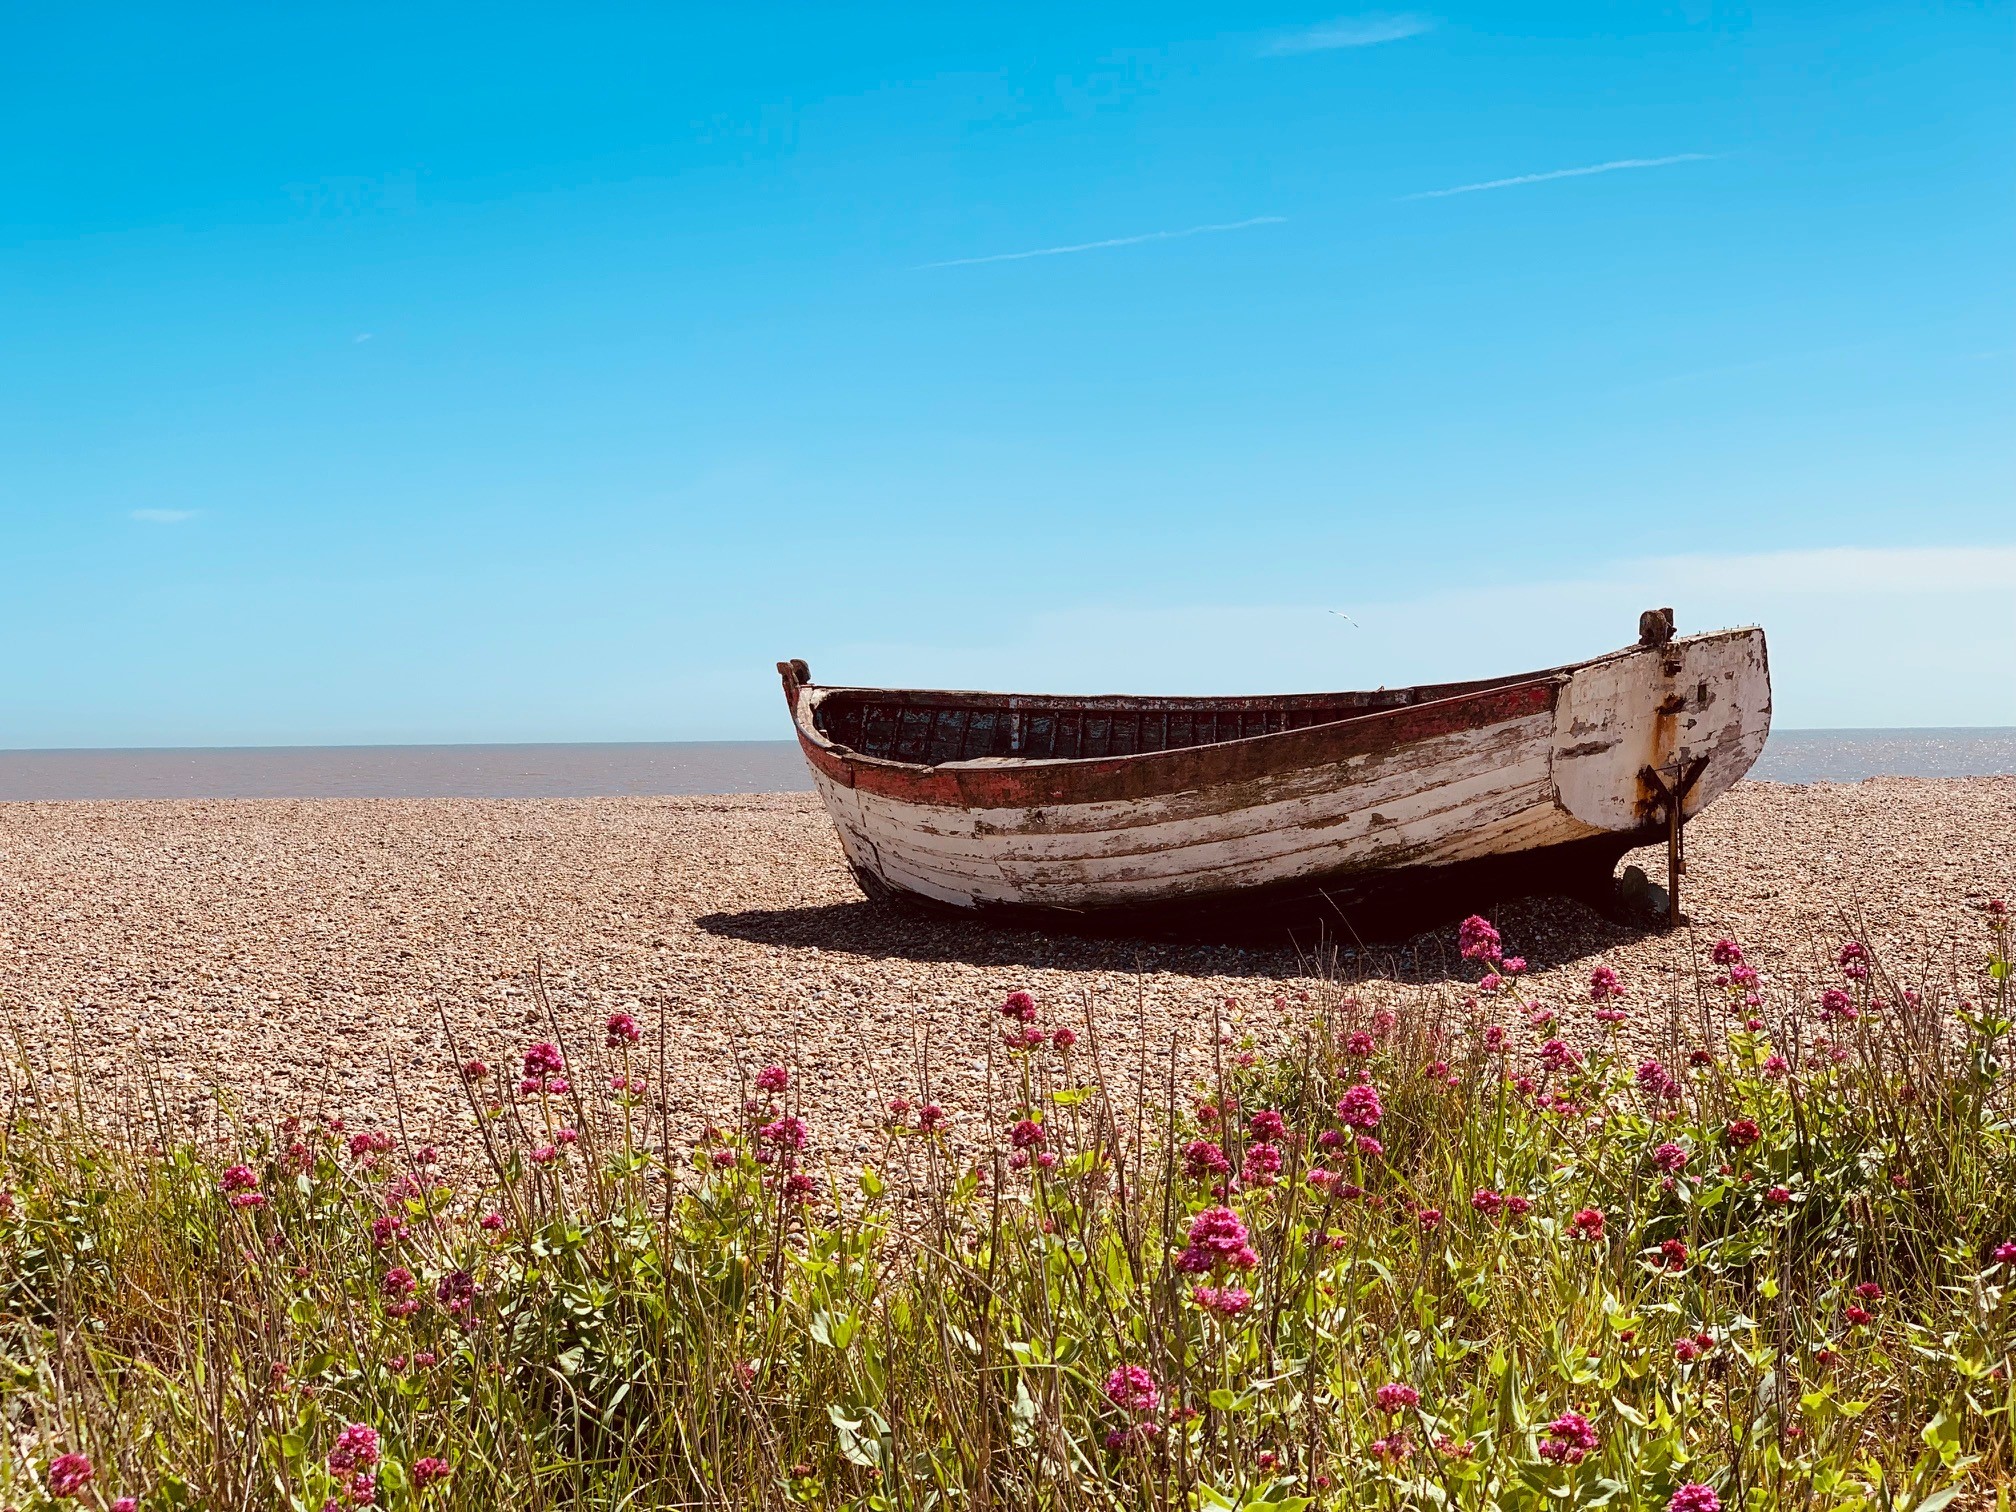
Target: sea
x,y
745,766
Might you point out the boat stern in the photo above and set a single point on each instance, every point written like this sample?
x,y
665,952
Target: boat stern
x,y
1688,714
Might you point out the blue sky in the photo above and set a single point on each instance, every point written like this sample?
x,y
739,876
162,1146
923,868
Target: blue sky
x,y
432,373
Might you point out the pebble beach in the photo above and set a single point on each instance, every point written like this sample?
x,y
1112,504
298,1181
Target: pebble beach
x,y
237,959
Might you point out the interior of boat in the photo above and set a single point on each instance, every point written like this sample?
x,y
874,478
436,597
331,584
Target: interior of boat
x,y
928,728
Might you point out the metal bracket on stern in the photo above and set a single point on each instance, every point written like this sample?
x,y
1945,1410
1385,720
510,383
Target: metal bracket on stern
x,y
1670,785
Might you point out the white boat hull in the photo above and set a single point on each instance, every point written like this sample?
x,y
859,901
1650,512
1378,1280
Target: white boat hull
x,y
1561,773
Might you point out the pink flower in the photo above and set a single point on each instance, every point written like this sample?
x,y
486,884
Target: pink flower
x,y
1490,982
1655,1080
772,1079
786,1133
386,1230
1518,1207
1494,1037
1603,985
1556,1055
1836,1006
1263,1164
1869,1291
1063,1038
70,1474
1778,1196
1669,1157
546,1154
1360,1044
238,1178
1359,1107
1369,1147
1743,1132
1570,1439
1394,1397
1726,953
1587,1224
622,1030
1393,1448
1429,1218
454,1291
1512,965
1477,940
2005,1253
930,1118
1019,1005
1132,1389
1856,1315
1673,1255
1486,1202
356,1448
474,1070
397,1283
543,1058
491,1222
1026,1135
1266,1124
1217,1239
1226,1301
1694,1497
126,1504
428,1471
1611,1015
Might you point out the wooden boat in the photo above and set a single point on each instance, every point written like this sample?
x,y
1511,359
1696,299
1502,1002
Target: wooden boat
x,y
1119,810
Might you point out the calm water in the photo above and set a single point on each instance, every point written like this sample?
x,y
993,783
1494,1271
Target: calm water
x,y
746,766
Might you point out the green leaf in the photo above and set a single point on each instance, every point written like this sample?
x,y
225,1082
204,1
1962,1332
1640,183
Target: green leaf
x,y
1942,1435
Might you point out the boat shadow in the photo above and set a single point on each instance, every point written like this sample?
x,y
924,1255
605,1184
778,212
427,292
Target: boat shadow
x,y
1551,931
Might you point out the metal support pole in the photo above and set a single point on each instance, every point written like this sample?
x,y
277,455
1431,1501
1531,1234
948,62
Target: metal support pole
x,y
1671,785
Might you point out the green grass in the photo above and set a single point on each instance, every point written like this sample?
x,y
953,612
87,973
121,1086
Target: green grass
x,y
1767,1269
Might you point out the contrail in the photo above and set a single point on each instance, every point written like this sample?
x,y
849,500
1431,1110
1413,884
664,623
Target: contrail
x,y
1116,241
1561,173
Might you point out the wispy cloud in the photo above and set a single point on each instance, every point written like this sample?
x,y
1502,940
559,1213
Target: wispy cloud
x,y
1349,31
363,336
1562,173
163,516
1112,241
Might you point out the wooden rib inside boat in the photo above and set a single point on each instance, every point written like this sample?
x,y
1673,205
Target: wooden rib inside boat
x,y
1121,810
